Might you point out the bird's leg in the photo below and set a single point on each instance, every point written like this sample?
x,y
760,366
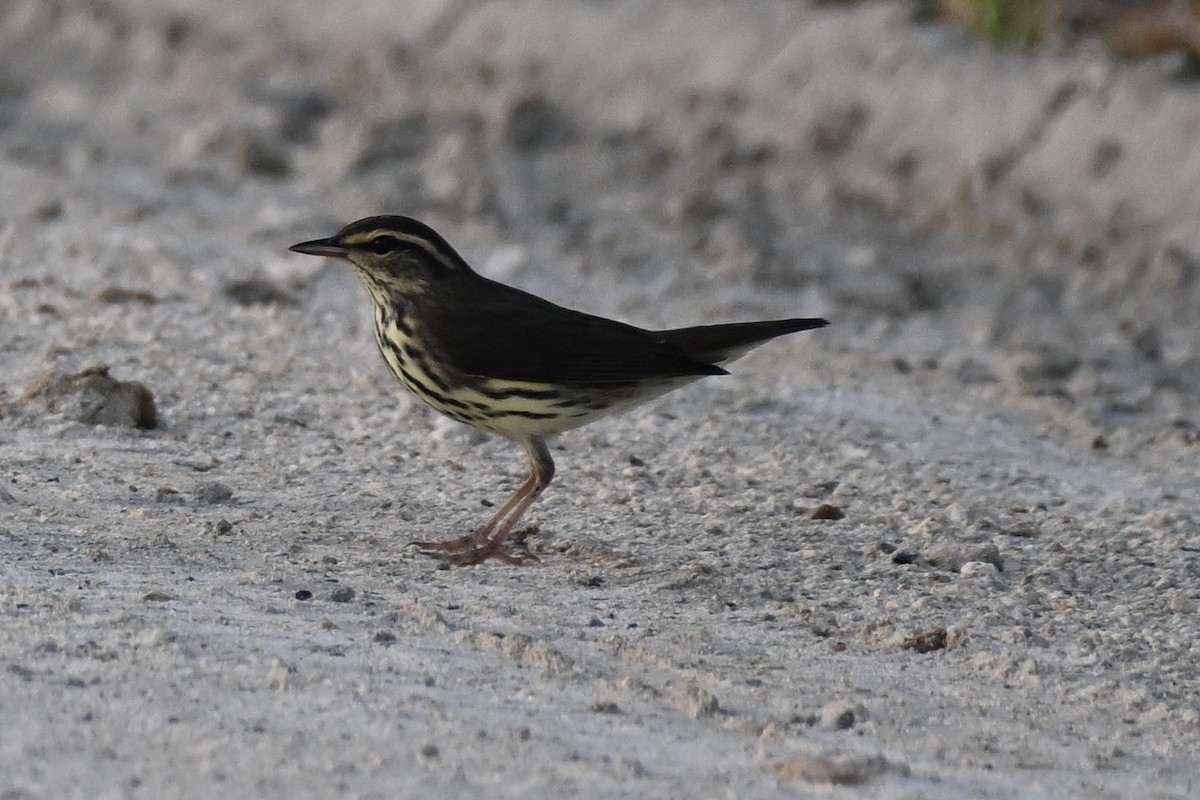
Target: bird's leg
x,y
472,540
475,540
489,540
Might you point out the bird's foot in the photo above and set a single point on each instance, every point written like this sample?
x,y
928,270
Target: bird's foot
x,y
473,549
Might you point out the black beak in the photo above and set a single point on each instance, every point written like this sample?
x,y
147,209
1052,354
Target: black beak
x,y
321,247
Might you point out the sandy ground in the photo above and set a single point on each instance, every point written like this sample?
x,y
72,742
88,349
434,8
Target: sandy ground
x,y
1005,409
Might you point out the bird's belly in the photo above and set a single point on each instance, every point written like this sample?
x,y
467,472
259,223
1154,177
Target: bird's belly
x,y
509,408
514,409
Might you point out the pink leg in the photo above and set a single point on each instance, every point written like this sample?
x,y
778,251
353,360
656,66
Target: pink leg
x,y
489,540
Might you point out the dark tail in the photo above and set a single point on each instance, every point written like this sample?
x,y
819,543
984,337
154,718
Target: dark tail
x,y
717,344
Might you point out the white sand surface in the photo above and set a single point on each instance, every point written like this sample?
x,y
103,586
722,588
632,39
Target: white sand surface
x,y
1004,410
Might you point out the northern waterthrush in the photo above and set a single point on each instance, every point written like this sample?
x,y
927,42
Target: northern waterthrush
x,y
507,362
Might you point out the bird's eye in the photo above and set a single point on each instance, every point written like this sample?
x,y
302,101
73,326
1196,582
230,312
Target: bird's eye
x,y
384,244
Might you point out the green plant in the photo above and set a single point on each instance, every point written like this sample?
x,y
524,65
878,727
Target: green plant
x,y
1007,20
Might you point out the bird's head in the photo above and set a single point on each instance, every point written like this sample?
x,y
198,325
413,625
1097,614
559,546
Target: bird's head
x,y
390,253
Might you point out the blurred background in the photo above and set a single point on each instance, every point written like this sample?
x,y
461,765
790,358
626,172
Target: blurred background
x,y
1003,191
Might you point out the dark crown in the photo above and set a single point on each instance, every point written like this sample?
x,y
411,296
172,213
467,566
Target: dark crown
x,y
393,234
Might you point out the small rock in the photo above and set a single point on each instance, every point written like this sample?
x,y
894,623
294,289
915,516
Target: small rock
x,y
167,494
157,596
842,715
94,397
303,594
384,637
1021,530
604,707
976,568
342,594
213,492
120,294
952,556
828,511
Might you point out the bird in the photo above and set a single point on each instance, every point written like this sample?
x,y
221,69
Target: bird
x,y
507,362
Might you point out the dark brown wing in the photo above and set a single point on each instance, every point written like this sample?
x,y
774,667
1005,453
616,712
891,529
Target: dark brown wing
x,y
518,336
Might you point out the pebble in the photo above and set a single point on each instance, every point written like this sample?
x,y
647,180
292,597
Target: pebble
x,y
342,594
976,568
93,397
1021,530
841,715
605,707
213,492
952,557
122,294
828,511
